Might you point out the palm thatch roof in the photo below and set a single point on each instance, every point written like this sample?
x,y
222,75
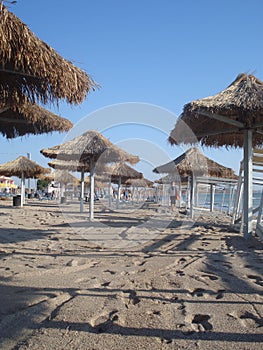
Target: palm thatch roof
x,y
124,172
30,118
70,165
100,181
60,176
221,119
22,166
90,145
139,182
168,179
193,161
31,69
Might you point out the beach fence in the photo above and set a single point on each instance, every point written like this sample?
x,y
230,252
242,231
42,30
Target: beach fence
x,y
211,194
257,200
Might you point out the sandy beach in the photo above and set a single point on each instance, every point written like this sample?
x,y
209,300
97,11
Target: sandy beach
x,y
132,279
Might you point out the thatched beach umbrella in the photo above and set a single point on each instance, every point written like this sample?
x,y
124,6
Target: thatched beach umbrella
x,y
168,179
143,182
193,161
30,118
23,168
137,185
120,172
99,181
72,165
30,69
233,117
90,148
62,176
190,164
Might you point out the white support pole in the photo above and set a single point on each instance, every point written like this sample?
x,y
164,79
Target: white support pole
x,y
212,197
110,189
118,194
22,189
239,191
81,191
189,192
29,187
192,196
230,199
91,199
196,194
259,219
180,193
248,155
132,194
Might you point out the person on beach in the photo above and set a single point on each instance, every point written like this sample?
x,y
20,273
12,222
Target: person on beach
x,y
173,195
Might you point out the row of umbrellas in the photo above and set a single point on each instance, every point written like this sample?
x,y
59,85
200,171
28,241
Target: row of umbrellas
x,y
232,117
119,173
90,152
48,78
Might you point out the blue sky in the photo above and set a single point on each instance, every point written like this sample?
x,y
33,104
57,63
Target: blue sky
x,y
152,52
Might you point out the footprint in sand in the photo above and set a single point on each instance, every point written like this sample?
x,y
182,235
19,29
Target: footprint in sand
x,y
105,284
247,319
104,321
129,297
198,292
180,273
110,271
139,262
256,279
210,277
200,323
220,293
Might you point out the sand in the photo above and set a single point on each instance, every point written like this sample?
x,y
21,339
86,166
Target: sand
x,y
132,279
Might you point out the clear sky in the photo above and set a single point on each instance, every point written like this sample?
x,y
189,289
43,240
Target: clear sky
x,y
158,53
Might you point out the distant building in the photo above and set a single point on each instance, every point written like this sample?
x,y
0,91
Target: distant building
x,y
7,184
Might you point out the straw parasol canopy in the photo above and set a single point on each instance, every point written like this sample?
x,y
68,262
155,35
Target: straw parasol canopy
x,y
233,117
193,161
120,172
168,179
30,118
70,165
90,145
99,181
23,165
220,120
30,69
124,172
62,176
139,182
